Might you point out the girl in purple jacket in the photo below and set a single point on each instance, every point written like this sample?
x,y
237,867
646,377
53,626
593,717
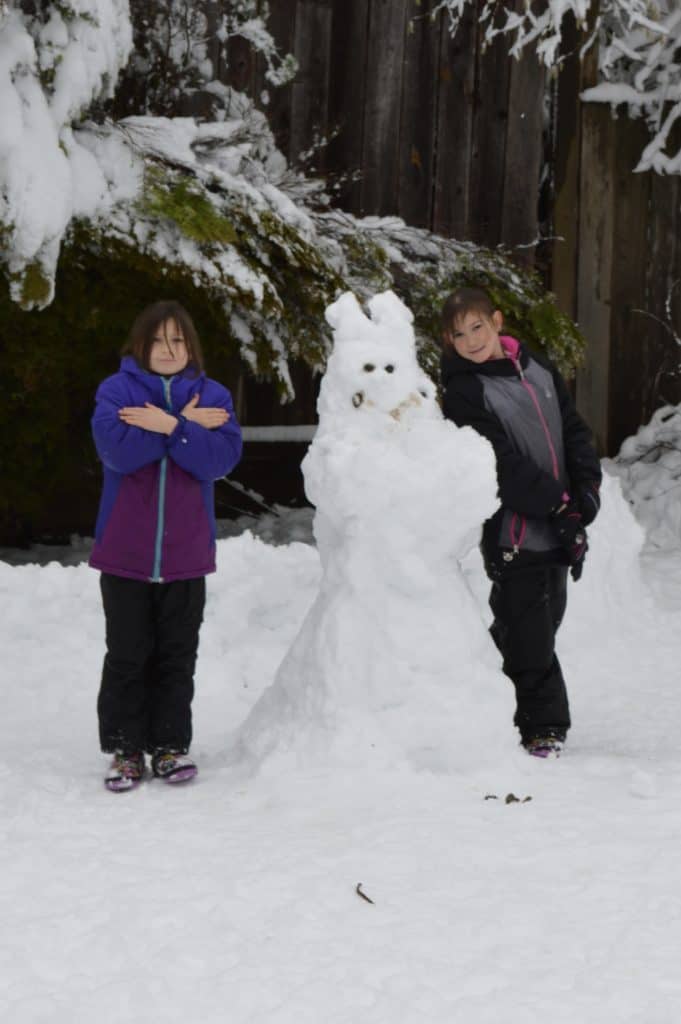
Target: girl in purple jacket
x,y
164,433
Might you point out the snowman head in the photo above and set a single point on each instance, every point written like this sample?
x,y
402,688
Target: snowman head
x,y
373,368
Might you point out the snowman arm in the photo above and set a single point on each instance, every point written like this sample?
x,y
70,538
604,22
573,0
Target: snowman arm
x,y
523,487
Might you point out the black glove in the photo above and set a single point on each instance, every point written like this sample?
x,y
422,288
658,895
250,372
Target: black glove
x,y
578,564
568,524
589,502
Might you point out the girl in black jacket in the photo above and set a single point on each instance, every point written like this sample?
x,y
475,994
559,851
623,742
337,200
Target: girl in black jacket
x,y
548,476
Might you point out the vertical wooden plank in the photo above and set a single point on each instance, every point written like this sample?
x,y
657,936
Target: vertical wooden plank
x,y
240,70
661,354
566,158
346,96
488,153
523,157
629,260
594,277
213,48
672,392
381,137
418,117
310,90
276,101
455,104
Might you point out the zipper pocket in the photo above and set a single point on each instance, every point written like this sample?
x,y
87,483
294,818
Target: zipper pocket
x,y
516,538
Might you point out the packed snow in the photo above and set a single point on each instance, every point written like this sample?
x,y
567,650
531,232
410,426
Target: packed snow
x,y
353,728
391,584
649,465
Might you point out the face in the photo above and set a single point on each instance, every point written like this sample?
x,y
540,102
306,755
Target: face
x,y
168,353
373,375
476,337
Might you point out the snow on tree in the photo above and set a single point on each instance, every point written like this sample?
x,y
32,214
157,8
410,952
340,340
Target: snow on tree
x,y
178,45
211,196
52,65
639,55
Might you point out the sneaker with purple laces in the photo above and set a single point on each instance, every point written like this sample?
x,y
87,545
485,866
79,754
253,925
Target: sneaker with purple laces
x,y
173,766
125,772
545,746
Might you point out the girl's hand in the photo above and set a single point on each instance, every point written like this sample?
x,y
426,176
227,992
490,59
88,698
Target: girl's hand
x,y
210,417
149,417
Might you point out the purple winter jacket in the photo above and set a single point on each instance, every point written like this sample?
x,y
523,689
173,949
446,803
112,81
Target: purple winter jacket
x,y
156,519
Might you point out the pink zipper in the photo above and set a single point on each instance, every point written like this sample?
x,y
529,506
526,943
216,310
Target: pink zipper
x,y
517,539
535,401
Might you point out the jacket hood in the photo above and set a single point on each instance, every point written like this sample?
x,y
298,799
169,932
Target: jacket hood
x,y
452,364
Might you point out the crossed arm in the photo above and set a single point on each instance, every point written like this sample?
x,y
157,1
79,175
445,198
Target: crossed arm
x,y
158,421
205,442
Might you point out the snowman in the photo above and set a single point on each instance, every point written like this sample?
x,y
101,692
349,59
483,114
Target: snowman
x,y
393,659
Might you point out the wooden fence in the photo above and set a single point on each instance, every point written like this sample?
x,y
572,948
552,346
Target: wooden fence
x,y
471,144
618,262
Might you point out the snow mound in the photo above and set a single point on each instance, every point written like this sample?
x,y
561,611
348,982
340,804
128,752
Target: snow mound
x,y
649,466
611,587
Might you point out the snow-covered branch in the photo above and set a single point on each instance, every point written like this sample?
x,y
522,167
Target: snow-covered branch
x,y
209,201
61,60
182,46
52,66
640,65
639,55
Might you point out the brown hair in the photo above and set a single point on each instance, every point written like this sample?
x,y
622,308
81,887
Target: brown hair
x,y
460,303
146,325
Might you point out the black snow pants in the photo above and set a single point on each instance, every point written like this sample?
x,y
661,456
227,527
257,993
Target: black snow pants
x,y
152,638
528,607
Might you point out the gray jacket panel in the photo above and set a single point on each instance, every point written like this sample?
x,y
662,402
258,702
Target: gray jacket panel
x,y
512,401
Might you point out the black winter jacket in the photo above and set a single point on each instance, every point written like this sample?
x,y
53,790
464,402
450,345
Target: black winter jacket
x,y
542,446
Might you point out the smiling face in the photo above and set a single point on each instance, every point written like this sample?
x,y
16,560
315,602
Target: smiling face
x,y
475,336
168,352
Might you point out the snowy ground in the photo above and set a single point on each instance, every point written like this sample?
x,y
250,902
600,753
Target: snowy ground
x,y
235,899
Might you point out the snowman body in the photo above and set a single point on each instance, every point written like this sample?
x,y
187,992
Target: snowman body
x,y
389,659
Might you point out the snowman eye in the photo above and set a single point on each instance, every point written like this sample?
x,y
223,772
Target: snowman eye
x,y
368,367
424,394
389,368
357,399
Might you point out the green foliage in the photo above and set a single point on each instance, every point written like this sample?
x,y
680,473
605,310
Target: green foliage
x,y
35,287
295,279
533,316
188,208
529,312
368,261
305,284
52,359
51,362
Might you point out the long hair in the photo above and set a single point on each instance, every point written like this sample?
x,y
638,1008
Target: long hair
x,y
459,304
146,325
